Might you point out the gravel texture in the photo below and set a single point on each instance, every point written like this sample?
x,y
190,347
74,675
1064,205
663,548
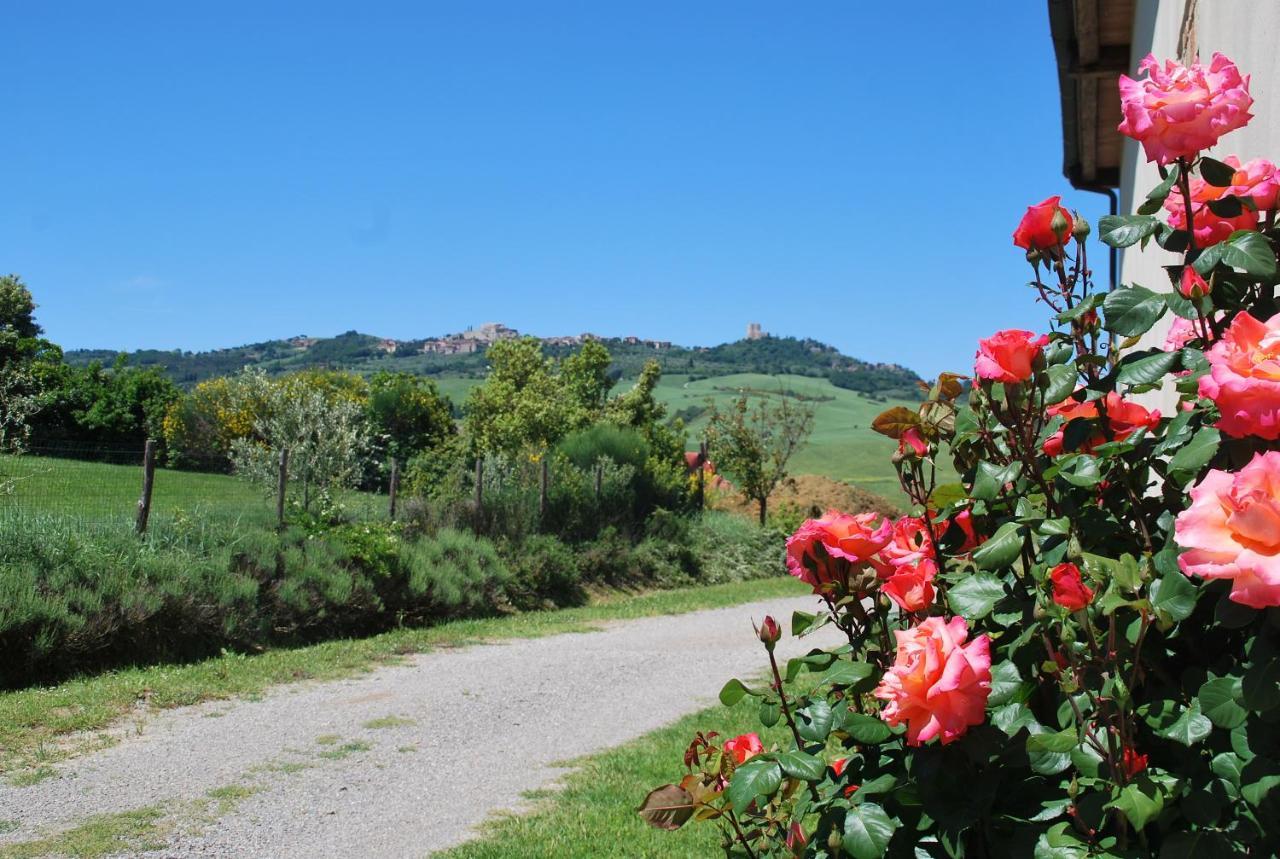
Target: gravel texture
x,y
410,758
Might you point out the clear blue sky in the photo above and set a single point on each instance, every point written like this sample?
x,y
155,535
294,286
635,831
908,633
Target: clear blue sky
x,y
845,171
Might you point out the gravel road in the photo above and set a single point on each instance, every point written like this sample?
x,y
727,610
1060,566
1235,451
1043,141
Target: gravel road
x,y
405,760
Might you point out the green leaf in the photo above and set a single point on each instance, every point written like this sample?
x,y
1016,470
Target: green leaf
x,y
1220,702
734,691
1061,381
1132,310
668,807
1189,728
989,480
845,673
1188,461
1121,231
752,780
1143,368
800,621
1059,842
1159,192
1050,753
801,765
867,831
1141,802
814,721
975,595
1216,173
1250,252
770,712
1080,470
1002,549
1261,686
866,729
1174,595
1007,685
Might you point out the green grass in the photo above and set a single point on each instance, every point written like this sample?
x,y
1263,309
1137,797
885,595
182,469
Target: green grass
x,y
43,725
843,446
102,835
345,750
106,493
388,722
598,801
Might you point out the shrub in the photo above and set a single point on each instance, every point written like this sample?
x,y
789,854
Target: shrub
x,y
1080,656
545,572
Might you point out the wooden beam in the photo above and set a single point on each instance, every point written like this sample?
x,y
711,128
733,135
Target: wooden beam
x,y
1087,111
1086,13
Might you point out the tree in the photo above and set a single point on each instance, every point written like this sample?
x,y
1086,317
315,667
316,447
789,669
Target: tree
x,y
24,359
324,430
752,442
407,414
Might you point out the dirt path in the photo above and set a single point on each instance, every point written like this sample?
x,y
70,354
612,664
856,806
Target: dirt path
x,y
403,761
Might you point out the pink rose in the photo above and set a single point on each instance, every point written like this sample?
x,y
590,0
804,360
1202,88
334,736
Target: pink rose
x,y
1257,179
908,543
937,685
1244,378
1069,589
1209,228
1232,530
910,585
1177,111
1009,356
1035,231
913,441
743,748
823,552
1182,332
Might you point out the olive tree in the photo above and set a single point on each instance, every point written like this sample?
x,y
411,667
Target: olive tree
x,y
752,441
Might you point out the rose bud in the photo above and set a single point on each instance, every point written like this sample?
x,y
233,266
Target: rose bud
x,y
1080,230
769,632
1069,589
1193,286
1061,225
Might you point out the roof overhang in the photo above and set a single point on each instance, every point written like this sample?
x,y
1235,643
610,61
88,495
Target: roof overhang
x,y
1091,41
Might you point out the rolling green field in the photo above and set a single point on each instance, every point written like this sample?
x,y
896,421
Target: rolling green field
x,y
842,446
105,493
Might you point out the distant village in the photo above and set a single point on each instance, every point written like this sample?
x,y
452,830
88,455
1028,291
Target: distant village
x,y
477,339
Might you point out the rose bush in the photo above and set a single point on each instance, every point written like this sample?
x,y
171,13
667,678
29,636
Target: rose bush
x,y
1078,655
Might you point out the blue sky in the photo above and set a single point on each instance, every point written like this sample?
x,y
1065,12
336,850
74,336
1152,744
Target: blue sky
x,y
196,178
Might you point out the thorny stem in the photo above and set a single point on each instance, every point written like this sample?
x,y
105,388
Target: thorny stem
x,y
733,821
782,697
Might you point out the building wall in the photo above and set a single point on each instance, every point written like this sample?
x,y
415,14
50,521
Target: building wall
x,y
1244,30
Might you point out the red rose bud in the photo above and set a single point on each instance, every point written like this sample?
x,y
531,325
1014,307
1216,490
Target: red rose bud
x,y
1193,286
1134,763
1090,322
912,445
1044,227
769,632
1069,589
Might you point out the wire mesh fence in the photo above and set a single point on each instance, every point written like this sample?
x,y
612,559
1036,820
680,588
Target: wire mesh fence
x,y
97,486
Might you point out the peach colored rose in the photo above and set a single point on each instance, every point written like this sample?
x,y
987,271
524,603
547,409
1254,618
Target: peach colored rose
x,y
910,585
1232,530
1123,420
938,685
823,552
909,542
1009,356
1035,230
1244,378
1257,179
1209,228
1177,111
743,748
1182,332
1069,589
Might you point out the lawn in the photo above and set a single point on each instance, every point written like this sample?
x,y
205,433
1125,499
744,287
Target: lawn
x,y
35,723
107,493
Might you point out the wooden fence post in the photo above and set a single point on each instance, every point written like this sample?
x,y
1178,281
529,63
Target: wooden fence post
x,y
395,485
542,492
282,483
479,484
148,480
599,479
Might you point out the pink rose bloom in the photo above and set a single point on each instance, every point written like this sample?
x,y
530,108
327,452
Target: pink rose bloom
x,y
910,585
1124,418
1232,530
1257,179
937,685
1177,111
1009,355
1209,228
824,551
743,748
911,439
1181,332
908,544
1244,378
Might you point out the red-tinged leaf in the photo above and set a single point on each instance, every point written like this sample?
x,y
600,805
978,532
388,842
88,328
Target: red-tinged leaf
x,y
667,807
895,421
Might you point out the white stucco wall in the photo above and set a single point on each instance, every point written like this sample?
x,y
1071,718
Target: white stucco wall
x,y
1247,32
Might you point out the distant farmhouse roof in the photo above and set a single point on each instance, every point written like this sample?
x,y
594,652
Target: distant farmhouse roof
x,y
1091,40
